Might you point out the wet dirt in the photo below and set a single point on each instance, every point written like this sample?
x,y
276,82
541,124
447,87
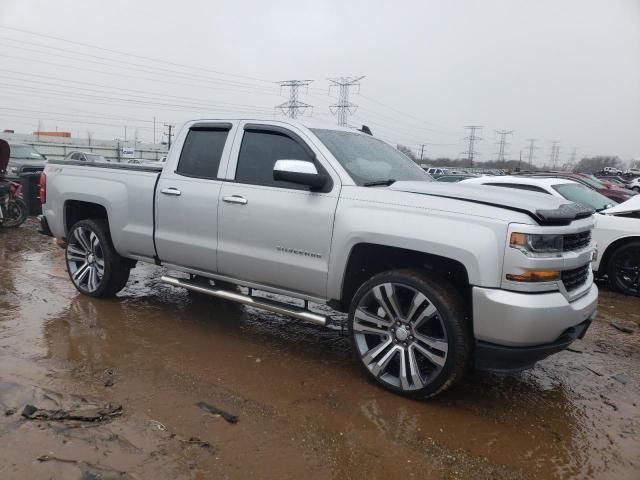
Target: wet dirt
x,y
303,407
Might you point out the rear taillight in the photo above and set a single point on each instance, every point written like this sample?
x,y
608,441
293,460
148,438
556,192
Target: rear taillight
x,y
43,188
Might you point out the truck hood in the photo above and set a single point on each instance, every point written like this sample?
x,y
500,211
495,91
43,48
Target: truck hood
x,y
544,209
631,205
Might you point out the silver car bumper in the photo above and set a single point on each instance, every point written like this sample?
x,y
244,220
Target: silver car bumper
x,y
514,319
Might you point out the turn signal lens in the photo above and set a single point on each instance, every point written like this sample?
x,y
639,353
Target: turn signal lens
x,y
535,276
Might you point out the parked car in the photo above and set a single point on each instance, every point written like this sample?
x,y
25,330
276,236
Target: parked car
x,y
632,171
435,172
456,177
85,157
434,277
612,170
614,193
23,159
634,185
617,229
616,180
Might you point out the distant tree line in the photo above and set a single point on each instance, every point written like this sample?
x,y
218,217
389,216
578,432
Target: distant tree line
x,y
597,164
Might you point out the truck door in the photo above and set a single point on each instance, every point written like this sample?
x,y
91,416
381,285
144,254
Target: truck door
x,y
273,232
187,198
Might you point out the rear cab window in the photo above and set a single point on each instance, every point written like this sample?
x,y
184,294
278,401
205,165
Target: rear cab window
x,y
202,151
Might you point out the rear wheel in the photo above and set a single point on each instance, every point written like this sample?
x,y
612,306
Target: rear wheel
x,y
636,189
94,266
624,269
410,332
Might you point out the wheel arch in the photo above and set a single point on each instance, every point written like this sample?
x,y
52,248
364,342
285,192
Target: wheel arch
x,y
76,210
368,259
611,248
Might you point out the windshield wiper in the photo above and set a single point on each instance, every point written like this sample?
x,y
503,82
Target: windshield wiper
x,y
378,183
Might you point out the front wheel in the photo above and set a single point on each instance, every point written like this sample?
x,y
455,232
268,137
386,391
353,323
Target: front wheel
x,y
16,214
410,333
624,269
94,266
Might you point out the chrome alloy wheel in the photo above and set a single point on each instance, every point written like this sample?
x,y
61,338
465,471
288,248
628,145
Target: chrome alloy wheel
x,y
85,259
400,336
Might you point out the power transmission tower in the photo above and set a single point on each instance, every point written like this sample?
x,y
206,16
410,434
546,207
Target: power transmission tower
x,y
169,134
532,147
473,138
555,153
343,108
503,143
572,158
422,150
293,107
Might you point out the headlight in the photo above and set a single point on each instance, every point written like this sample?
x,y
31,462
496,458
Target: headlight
x,y
537,245
13,171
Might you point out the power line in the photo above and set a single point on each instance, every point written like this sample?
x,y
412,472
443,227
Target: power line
x,y
473,138
294,107
502,144
531,148
343,108
129,54
136,93
414,118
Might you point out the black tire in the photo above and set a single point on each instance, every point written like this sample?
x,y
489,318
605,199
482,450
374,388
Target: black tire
x,y
115,268
623,269
636,189
17,213
453,318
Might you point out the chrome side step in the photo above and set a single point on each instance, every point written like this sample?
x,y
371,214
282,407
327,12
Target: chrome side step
x,y
262,303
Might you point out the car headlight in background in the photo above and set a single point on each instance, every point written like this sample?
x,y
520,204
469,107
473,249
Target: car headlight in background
x,y
13,171
537,245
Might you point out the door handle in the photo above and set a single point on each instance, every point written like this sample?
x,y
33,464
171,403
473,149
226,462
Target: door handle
x,y
171,191
235,199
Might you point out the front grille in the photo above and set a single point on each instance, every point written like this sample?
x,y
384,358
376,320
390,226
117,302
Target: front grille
x,y
32,169
575,278
576,241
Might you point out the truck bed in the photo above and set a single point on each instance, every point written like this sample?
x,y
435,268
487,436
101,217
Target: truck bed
x,y
126,191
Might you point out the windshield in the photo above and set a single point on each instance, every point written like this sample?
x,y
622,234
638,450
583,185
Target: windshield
x,y
25,152
584,195
593,181
94,158
367,159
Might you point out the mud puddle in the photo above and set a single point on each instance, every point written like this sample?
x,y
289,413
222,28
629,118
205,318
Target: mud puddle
x,y
303,408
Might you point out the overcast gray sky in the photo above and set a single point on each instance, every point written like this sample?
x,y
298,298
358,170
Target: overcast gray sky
x,y
566,70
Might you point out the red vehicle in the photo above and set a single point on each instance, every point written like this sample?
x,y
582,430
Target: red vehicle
x,y
607,189
13,210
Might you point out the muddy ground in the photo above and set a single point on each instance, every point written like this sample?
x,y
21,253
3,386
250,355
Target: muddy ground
x,y
304,410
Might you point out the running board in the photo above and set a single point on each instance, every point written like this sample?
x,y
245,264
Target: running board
x,y
263,303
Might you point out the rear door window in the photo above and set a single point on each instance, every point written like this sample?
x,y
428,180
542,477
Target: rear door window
x,y
202,152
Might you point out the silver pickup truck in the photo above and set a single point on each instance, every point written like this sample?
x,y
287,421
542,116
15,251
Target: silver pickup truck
x,y
435,278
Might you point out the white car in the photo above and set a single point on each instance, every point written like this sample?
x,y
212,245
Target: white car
x,y
634,185
617,231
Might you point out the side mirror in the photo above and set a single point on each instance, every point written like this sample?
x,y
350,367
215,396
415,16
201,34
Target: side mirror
x,y
300,172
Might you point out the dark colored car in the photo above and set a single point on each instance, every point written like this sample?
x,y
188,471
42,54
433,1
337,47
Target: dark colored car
x,y
24,159
619,194
456,177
